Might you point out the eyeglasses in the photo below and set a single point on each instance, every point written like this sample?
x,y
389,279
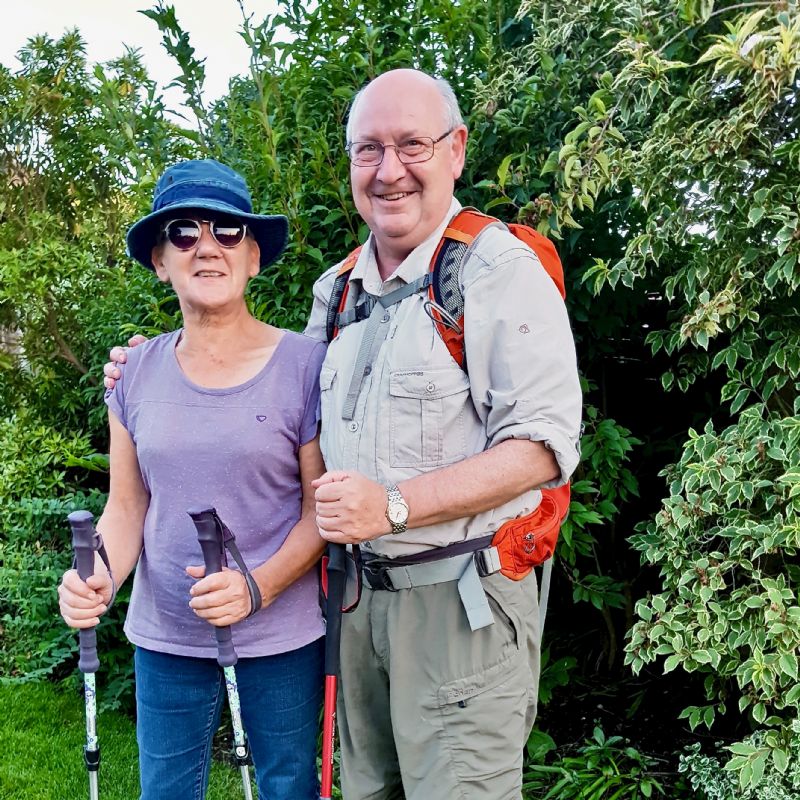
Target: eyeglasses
x,y
410,151
184,234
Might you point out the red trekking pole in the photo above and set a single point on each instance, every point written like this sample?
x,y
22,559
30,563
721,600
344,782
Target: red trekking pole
x,y
335,569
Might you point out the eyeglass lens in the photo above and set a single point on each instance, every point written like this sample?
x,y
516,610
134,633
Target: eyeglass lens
x,y
184,234
371,153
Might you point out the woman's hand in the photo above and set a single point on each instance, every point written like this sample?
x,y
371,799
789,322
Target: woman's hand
x,y
222,598
82,603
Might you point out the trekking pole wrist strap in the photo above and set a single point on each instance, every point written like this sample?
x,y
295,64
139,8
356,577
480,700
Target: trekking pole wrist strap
x,y
229,542
255,593
250,581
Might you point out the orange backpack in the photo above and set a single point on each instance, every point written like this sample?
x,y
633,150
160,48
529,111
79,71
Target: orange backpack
x,y
525,542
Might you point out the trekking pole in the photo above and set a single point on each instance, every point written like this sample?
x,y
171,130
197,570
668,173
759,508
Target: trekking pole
x,y
84,544
212,544
336,567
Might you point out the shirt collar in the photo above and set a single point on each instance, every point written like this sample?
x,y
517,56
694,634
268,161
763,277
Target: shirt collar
x,y
412,267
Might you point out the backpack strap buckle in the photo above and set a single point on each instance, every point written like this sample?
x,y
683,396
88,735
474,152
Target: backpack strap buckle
x,y
487,561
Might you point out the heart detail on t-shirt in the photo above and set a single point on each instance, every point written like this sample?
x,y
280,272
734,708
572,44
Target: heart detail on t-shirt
x,y
260,417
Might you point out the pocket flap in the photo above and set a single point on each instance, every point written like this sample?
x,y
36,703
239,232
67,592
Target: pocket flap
x,y
326,377
464,689
429,384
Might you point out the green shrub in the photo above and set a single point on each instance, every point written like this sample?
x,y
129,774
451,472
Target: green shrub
x,y
726,542
781,778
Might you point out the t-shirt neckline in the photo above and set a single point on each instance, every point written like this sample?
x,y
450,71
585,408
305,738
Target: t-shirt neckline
x,y
224,390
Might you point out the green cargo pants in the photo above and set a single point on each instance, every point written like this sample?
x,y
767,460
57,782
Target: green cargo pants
x,y
428,709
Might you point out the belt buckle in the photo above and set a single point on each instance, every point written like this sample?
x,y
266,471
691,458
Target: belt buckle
x,y
378,577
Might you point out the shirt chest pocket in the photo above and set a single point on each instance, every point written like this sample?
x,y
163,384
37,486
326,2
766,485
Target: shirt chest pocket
x,y
327,379
427,416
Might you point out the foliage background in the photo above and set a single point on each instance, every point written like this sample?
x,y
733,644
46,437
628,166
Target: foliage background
x,y
657,143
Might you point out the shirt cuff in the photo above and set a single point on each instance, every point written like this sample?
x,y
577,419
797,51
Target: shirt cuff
x,y
566,451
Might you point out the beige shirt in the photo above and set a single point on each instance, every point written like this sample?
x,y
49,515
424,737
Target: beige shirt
x,y
418,410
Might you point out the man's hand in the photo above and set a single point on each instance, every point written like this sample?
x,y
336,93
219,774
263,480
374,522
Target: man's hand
x,y
222,598
351,508
118,356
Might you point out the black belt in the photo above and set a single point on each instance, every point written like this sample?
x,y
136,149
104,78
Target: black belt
x,y
375,568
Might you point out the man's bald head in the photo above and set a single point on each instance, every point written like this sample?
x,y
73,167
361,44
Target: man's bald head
x,y
411,80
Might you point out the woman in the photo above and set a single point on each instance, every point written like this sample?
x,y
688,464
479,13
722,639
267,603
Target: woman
x,y
223,413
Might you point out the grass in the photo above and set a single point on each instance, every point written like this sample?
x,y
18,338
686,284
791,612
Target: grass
x,y
42,733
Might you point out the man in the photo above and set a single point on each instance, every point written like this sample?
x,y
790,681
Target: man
x,y
430,708
438,681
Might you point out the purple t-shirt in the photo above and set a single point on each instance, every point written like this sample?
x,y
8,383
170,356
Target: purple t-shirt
x,y
235,449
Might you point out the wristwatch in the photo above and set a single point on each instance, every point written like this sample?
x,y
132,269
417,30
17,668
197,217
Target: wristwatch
x,y
396,509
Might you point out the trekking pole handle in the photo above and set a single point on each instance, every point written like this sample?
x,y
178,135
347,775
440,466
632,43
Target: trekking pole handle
x,y
210,537
83,545
337,557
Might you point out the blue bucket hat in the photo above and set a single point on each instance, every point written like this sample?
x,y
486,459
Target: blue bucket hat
x,y
205,185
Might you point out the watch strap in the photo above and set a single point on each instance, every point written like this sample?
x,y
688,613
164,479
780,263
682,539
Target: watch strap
x,y
395,496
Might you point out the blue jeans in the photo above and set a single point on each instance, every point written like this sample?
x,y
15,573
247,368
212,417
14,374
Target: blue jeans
x,y
179,701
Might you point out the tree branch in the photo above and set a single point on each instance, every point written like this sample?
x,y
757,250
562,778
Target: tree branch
x,y
64,350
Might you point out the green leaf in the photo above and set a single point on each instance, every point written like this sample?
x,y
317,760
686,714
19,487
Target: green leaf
x,y
498,201
780,759
739,400
788,664
758,769
742,749
659,604
502,170
671,662
702,656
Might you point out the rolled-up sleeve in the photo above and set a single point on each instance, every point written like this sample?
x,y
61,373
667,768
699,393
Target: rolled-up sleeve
x,y
520,350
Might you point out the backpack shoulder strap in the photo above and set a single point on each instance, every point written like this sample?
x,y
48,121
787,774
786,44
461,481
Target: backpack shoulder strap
x,y
338,298
447,306
545,251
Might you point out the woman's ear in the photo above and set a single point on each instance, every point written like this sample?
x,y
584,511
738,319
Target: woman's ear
x,y
157,259
254,265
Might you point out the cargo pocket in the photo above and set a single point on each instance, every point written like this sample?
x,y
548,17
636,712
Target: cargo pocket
x,y
427,416
484,723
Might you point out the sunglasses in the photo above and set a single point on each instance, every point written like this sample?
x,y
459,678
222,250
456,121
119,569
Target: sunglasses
x,y
184,234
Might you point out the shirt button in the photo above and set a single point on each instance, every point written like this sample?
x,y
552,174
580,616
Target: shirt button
x,y
353,426
385,317
431,387
367,369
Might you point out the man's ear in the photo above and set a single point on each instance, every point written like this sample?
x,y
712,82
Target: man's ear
x,y
156,257
458,150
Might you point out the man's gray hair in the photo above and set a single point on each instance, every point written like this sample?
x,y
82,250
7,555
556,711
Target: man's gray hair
x,y
452,113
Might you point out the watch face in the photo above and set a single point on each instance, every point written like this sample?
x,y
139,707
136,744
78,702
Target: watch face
x,y
397,513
